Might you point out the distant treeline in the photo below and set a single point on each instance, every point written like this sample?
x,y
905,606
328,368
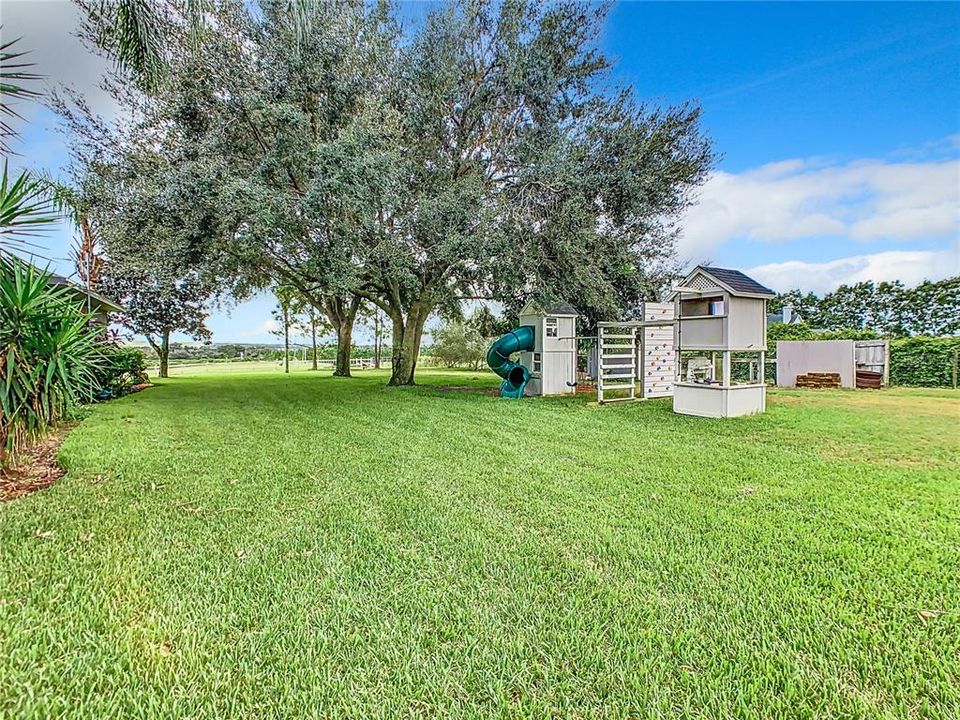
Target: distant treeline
x,y
242,351
888,308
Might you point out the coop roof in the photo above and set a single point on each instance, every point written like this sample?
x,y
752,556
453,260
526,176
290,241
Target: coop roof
x,y
733,281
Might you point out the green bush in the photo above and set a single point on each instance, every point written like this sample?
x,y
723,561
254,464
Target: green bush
x,y
48,355
120,369
923,361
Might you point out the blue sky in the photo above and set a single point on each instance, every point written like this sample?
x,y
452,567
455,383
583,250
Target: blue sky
x,y
838,125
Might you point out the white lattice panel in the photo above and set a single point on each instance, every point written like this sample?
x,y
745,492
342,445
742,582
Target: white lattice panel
x,y
700,282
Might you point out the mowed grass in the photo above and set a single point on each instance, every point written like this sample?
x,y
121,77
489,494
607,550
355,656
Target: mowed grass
x,y
260,546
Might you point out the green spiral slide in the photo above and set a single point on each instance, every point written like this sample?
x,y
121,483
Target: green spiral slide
x,y
515,375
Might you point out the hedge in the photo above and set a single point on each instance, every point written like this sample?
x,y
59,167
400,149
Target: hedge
x,y
923,361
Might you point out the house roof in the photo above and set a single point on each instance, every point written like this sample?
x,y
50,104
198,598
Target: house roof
x,y
734,281
102,303
777,317
560,308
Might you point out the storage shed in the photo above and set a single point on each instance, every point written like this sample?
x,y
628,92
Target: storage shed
x,y
719,312
553,360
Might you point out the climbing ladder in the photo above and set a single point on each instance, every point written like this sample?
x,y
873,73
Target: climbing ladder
x,y
616,360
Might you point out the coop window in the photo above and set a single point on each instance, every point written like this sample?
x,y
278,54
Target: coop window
x,y
552,327
537,362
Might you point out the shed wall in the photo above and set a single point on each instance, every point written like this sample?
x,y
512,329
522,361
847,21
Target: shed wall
x,y
798,357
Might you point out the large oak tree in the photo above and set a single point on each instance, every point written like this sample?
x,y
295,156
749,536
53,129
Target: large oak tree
x,y
489,154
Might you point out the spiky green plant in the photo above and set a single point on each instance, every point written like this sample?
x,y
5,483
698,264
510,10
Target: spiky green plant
x,y
26,209
13,73
26,202
48,352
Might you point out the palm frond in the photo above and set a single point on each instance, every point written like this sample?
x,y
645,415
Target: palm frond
x,y
26,209
13,74
133,34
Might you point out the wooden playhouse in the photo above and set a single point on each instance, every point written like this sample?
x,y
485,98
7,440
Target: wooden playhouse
x,y
721,318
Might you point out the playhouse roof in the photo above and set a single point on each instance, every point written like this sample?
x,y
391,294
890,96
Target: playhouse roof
x,y
733,281
556,308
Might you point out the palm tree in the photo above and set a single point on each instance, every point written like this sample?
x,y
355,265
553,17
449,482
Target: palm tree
x,y
132,32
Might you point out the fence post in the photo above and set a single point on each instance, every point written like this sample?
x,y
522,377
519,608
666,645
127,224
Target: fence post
x,y
886,363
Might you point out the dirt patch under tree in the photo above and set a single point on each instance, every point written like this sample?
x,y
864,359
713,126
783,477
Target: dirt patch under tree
x,y
36,467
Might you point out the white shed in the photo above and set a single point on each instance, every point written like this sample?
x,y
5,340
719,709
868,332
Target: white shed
x,y
719,312
553,360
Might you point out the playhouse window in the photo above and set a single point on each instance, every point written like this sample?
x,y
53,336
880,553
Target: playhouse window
x,y
537,362
553,328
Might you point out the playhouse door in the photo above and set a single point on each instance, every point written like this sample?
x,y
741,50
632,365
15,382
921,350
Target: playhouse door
x,y
563,372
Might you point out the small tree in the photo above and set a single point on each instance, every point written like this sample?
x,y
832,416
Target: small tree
x,y
314,322
487,324
373,317
458,343
156,306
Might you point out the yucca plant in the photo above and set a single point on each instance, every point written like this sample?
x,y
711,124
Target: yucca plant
x,y
48,354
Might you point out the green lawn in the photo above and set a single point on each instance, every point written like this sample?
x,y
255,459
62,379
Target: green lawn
x,y
254,545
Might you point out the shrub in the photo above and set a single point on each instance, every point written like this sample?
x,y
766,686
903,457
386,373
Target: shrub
x,y
48,353
923,361
119,370
456,343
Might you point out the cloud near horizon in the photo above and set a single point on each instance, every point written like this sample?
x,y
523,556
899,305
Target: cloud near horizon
x,y
812,201
909,266
864,201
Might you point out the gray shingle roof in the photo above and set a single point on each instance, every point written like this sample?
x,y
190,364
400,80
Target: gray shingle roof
x,y
560,308
737,281
104,303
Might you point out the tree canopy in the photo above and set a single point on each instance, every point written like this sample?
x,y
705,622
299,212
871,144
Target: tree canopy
x,y
888,308
487,154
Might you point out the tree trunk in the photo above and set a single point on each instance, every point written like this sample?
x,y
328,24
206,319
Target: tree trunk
x,y
377,337
342,314
313,336
286,340
162,350
344,350
407,335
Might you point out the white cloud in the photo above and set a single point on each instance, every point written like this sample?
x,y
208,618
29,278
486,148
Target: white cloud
x,y
808,199
267,327
47,29
910,267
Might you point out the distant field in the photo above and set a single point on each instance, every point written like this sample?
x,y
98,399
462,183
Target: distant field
x,y
248,544
253,366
